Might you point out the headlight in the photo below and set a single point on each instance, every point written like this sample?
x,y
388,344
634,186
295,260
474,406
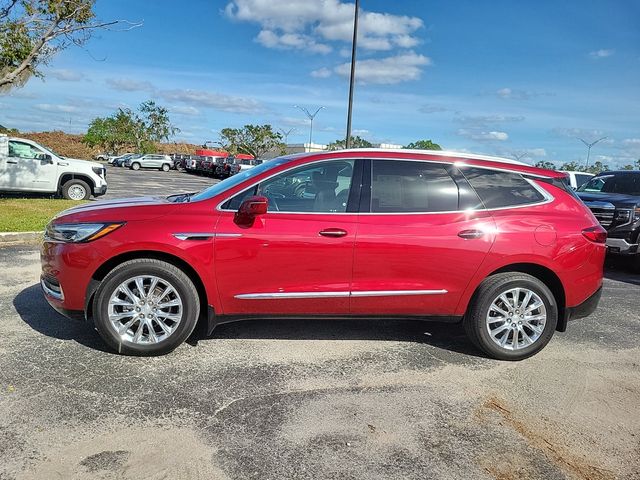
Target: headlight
x,y
79,232
98,170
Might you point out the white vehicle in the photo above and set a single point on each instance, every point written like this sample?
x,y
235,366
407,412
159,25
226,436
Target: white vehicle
x,y
26,166
150,160
577,178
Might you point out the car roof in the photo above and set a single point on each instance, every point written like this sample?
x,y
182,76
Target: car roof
x,y
620,172
470,159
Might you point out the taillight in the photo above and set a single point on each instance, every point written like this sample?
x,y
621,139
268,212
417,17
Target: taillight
x,y
596,234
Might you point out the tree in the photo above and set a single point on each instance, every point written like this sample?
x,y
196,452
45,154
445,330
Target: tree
x,y
128,128
627,167
33,31
572,167
597,167
356,142
253,140
546,164
424,145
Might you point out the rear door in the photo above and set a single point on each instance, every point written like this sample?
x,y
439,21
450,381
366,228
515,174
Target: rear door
x,y
27,169
422,240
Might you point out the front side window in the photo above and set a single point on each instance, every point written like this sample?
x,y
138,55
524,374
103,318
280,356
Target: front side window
x,y
24,150
398,187
582,179
321,187
501,189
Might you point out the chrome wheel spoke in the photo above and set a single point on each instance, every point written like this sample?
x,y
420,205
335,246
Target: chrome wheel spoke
x,y
137,318
523,321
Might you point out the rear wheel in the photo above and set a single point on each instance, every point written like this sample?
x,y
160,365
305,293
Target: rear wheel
x,y
165,167
146,307
512,316
135,166
76,190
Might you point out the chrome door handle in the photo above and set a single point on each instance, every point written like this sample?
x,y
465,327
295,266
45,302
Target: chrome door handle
x,y
333,232
470,234
12,161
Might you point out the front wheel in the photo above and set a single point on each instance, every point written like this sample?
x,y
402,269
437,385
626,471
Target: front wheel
x,y
135,166
76,190
512,316
146,307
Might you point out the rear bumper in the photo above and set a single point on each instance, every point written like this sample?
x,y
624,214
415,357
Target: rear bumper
x,y
585,309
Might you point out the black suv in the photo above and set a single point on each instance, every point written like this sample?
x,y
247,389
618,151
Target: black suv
x,y
614,198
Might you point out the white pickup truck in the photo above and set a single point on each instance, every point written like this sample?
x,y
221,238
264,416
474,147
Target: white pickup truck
x,y
26,166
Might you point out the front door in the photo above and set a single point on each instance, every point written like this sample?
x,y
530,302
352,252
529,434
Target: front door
x,y
26,168
417,248
296,259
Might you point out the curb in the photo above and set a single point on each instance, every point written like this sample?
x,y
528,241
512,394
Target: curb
x,y
12,238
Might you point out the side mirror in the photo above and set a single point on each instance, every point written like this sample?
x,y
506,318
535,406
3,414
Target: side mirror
x,y
45,158
250,208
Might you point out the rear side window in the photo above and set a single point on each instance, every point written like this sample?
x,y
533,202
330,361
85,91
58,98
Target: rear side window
x,y
582,179
501,189
398,187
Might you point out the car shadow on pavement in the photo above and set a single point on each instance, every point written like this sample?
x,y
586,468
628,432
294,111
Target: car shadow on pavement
x,y
445,336
38,314
618,269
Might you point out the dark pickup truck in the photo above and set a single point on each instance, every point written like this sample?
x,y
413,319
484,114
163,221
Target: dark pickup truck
x,y
614,199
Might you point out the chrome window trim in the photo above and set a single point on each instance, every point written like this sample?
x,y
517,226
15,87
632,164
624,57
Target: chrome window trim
x,y
343,294
548,197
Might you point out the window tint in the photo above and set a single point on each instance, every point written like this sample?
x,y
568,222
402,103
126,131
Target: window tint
x,y
398,187
501,189
321,187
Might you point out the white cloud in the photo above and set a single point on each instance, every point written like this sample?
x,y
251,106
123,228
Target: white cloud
x,y
129,85
602,53
48,107
483,136
537,152
480,121
291,41
327,20
588,135
508,93
65,75
321,73
186,110
389,70
432,109
217,101
633,142
362,132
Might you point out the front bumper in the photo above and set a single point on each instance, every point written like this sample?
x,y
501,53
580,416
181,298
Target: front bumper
x,y
620,246
99,191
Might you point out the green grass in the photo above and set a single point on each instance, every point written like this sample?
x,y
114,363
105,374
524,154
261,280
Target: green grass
x,y
30,214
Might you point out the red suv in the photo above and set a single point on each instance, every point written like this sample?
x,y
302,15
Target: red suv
x,y
504,248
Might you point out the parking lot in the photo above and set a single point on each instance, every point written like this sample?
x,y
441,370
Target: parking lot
x,y
124,182
311,399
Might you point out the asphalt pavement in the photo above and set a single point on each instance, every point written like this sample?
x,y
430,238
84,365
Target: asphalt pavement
x,y
315,400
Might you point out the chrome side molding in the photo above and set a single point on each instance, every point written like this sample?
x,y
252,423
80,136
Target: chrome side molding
x,y
364,293
204,235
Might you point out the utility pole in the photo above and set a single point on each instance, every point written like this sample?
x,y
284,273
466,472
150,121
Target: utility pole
x,y
589,145
353,73
518,155
310,116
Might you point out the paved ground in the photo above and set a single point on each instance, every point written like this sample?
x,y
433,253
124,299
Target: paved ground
x,y
315,400
123,182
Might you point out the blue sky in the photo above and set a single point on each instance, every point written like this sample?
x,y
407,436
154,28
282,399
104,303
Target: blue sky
x,y
495,77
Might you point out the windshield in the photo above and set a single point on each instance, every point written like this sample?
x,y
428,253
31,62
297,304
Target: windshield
x,y
626,184
237,179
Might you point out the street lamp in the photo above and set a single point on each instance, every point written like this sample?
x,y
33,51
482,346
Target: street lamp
x,y
353,73
286,133
589,145
310,116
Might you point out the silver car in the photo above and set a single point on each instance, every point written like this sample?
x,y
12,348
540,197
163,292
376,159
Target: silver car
x,y
150,160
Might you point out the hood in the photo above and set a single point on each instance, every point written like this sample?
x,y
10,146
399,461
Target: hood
x,y
136,208
617,199
74,162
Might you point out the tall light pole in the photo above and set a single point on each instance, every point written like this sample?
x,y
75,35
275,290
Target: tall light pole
x,y
353,73
310,116
589,145
286,133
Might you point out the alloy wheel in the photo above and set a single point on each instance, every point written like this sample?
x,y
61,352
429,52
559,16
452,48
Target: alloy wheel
x,y
516,318
145,309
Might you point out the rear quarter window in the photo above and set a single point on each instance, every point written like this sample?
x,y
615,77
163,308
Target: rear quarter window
x,y
501,189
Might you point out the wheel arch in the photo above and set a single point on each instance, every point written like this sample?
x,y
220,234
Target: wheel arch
x,y
174,260
65,177
545,275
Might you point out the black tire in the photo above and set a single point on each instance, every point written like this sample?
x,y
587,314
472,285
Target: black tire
x,y
135,166
76,189
165,167
475,319
146,266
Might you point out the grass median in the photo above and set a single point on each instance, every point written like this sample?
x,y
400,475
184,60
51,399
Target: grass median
x,y
30,214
